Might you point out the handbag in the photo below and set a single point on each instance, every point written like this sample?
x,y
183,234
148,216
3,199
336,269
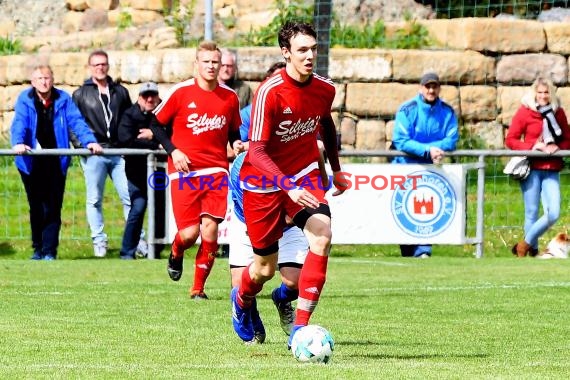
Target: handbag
x,y
518,167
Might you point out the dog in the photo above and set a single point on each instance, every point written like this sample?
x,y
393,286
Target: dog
x,y
557,248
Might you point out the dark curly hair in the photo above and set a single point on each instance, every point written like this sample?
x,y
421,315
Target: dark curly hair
x,y
290,29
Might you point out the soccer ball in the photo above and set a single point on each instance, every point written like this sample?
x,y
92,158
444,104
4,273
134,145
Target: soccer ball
x,y
312,344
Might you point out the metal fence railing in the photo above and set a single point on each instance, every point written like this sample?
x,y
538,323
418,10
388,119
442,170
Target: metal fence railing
x,y
494,208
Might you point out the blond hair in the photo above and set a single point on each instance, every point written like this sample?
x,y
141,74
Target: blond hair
x,y
208,46
529,99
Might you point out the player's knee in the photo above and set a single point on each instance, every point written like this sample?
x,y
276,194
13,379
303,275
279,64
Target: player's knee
x,y
290,283
236,276
189,236
320,244
263,274
290,276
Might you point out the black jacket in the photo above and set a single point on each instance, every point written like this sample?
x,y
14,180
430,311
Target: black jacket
x,y
87,99
132,120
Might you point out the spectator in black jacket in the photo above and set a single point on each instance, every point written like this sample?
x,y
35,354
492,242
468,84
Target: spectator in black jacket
x,y
102,103
134,132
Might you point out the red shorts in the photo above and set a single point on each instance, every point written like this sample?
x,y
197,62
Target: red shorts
x,y
265,212
196,196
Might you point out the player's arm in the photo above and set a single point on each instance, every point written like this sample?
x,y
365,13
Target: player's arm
x,y
322,167
268,168
161,135
328,134
179,158
235,142
260,159
259,134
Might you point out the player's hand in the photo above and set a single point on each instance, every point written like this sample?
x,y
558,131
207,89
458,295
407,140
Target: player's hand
x,y
238,147
145,134
21,148
95,148
340,182
303,198
180,161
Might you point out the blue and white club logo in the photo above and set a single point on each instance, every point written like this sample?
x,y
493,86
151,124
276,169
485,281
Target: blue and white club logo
x,y
425,207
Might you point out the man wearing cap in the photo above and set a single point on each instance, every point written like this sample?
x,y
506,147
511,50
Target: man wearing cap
x,y
425,128
134,132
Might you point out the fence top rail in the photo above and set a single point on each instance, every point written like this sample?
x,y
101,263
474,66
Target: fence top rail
x,y
343,153
85,152
459,153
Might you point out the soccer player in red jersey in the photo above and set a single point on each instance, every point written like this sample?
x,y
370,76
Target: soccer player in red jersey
x,y
280,175
204,116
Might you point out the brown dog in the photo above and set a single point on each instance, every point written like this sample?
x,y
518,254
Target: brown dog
x,y
557,248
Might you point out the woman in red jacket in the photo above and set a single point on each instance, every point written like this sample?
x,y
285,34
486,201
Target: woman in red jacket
x,y
539,124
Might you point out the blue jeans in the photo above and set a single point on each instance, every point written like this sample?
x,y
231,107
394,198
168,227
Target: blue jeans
x,y
96,169
134,224
540,186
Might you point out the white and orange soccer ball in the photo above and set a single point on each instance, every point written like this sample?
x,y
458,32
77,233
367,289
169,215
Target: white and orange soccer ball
x,y
312,344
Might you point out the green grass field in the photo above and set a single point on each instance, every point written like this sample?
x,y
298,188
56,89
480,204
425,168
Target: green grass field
x,y
448,317
452,318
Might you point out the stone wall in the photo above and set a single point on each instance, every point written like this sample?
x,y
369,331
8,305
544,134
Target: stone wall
x,y
73,25
485,66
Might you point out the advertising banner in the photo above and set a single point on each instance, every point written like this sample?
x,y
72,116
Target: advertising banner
x,y
392,204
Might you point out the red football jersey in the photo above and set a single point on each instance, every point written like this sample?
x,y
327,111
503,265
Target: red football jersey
x,y
286,114
201,122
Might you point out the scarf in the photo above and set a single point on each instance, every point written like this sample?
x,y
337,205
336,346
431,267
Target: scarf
x,y
551,131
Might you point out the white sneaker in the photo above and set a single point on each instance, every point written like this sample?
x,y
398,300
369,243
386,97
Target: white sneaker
x,y
424,256
142,249
100,249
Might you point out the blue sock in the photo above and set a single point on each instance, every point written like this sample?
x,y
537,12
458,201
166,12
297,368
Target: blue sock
x,y
286,294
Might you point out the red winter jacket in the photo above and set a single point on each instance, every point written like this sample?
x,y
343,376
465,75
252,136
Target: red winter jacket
x,y
527,123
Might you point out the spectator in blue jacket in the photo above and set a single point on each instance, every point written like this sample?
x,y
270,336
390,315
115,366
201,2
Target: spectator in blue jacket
x,y
425,128
44,117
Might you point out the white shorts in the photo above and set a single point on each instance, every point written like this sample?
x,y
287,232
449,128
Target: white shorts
x,y
293,246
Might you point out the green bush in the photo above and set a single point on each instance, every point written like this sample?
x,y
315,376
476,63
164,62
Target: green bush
x,y
411,36
9,46
179,16
366,37
490,8
267,35
125,20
